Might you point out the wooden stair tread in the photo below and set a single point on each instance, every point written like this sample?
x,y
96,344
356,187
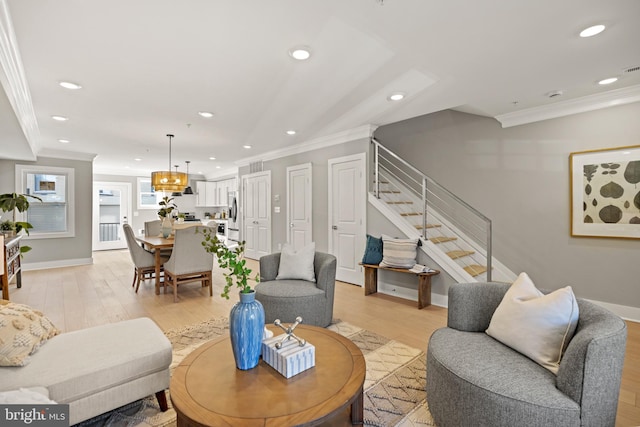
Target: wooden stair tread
x,y
419,226
475,269
410,214
459,254
442,239
400,203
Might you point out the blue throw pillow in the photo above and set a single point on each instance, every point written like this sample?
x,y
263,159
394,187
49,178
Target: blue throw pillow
x,y
373,250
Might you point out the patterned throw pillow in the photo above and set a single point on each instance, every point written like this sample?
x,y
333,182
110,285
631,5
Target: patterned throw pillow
x,y
399,253
22,331
373,250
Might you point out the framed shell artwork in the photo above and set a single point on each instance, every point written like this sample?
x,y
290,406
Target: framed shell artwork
x,y
605,193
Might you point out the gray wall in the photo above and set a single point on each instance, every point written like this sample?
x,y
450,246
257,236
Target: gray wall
x,y
519,177
60,249
318,159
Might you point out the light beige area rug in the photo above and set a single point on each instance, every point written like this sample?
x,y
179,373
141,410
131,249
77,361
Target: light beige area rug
x,y
394,388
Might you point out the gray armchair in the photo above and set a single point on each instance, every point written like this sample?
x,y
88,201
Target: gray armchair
x,y
144,262
287,299
474,380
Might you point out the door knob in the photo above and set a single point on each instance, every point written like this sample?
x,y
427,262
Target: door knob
x,y
335,227
291,225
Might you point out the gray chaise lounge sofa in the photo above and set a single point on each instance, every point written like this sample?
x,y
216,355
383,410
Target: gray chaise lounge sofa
x,y
474,380
98,369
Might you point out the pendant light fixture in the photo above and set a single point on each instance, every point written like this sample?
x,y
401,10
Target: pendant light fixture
x,y
187,189
168,180
176,193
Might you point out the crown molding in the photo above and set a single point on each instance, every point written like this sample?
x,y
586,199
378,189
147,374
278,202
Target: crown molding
x,y
365,131
14,81
572,106
68,155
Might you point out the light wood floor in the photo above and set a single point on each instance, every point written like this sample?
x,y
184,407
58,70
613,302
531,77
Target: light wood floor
x,y
80,297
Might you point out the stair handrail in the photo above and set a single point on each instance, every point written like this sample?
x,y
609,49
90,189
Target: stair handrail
x,y
428,180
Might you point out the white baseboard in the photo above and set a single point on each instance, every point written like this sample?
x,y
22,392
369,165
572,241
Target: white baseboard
x,y
626,312
56,264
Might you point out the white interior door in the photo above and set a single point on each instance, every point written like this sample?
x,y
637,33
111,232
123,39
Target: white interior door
x,y
299,196
111,209
256,214
347,191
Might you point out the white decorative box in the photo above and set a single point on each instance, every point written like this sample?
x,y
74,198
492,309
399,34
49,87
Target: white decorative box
x,y
291,358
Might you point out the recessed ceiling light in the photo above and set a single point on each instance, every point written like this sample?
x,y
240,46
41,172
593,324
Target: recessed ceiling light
x,y
592,31
608,81
63,141
138,159
212,158
291,132
217,167
60,118
205,114
70,85
246,146
300,53
397,96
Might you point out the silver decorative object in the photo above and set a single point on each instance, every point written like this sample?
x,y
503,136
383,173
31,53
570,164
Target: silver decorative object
x,y
289,332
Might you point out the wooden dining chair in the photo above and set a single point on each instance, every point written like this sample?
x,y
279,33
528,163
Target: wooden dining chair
x,y
189,261
143,261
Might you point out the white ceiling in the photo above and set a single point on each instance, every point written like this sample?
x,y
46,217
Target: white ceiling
x,y
148,66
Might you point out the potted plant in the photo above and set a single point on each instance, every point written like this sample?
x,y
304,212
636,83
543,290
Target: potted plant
x,y
246,319
8,228
10,202
181,217
166,207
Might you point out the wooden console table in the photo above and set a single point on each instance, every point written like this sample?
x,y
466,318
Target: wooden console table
x,y
424,282
12,267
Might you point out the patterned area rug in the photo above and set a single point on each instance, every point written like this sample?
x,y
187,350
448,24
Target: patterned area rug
x,y
394,387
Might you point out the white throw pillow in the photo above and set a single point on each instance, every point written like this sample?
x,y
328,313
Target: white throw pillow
x,y
24,396
537,325
399,253
297,264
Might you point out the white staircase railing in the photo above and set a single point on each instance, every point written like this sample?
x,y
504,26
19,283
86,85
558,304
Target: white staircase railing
x,y
463,233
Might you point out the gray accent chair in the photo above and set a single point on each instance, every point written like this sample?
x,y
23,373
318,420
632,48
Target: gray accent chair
x,y
144,262
474,380
153,228
287,299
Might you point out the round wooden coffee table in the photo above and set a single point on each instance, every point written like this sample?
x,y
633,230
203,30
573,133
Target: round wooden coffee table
x,y
208,390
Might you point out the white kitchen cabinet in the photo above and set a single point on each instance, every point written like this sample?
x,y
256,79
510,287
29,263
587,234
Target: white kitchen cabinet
x,y
201,200
214,193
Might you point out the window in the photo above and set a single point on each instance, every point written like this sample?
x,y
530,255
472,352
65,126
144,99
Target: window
x,y
54,216
147,198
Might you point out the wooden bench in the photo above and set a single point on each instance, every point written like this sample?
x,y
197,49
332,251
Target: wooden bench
x,y
424,282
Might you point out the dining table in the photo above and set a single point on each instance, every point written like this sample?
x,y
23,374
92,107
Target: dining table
x,y
156,244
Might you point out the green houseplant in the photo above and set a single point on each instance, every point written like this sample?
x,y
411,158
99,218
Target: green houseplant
x,y
166,207
232,260
10,202
246,318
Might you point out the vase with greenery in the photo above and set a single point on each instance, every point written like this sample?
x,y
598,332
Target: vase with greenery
x,y
10,202
166,207
246,319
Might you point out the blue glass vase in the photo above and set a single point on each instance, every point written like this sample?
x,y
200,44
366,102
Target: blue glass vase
x,y
246,325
